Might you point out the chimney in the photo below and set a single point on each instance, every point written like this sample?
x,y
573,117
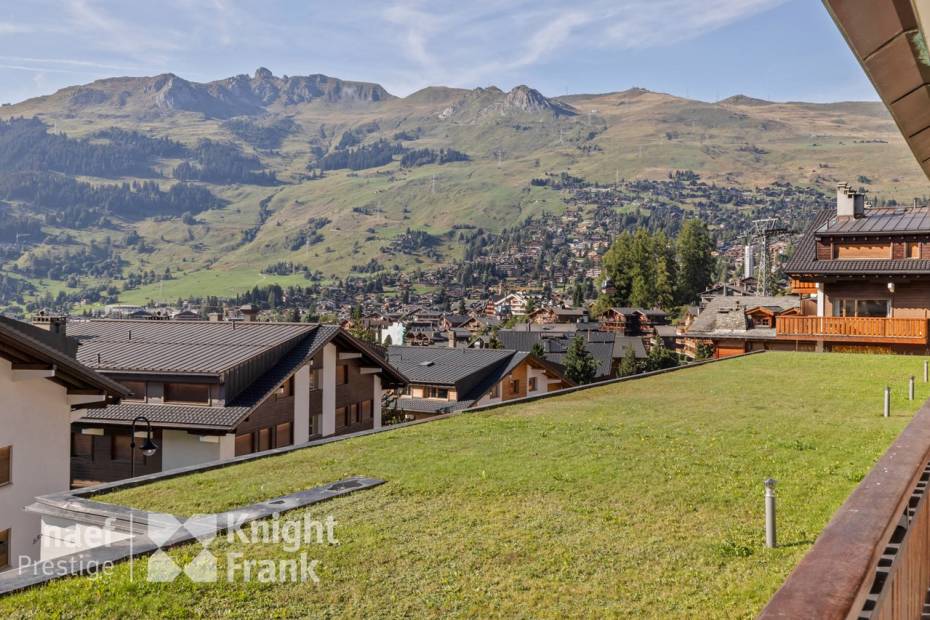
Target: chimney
x,y
249,313
451,339
57,327
53,323
849,202
214,317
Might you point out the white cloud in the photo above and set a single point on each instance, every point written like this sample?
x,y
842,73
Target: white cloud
x,y
466,45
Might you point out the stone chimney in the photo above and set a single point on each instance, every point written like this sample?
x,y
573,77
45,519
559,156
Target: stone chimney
x,y
249,313
52,323
451,333
57,327
214,317
849,202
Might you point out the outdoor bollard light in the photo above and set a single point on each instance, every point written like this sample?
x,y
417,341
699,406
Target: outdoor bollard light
x,y
926,371
887,412
770,513
910,389
148,446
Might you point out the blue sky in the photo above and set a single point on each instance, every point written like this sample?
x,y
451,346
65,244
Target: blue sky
x,y
704,49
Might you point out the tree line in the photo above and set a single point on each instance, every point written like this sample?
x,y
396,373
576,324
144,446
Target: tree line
x,y
645,269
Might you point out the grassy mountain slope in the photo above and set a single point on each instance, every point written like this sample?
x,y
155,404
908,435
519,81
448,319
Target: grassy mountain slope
x,y
510,138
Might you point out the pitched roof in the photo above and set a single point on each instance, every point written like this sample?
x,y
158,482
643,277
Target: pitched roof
x,y
201,347
726,316
443,365
879,221
24,343
229,416
804,261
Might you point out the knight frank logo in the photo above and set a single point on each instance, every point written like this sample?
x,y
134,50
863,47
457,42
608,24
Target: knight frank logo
x,y
292,536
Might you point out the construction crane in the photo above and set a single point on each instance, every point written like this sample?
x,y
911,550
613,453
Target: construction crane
x,y
763,231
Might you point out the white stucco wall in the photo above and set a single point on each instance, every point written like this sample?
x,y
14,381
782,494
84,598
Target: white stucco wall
x,y
35,420
181,449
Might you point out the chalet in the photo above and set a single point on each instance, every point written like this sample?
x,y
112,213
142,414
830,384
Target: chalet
x,y
214,390
607,348
43,386
554,314
622,320
722,290
512,304
447,379
739,324
866,272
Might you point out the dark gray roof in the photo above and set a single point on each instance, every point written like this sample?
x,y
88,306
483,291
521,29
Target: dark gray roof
x,y
214,418
27,342
431,405
443,366
202,347
804,262
880,221
229,416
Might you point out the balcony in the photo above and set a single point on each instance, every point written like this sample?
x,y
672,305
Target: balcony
x,y
852,329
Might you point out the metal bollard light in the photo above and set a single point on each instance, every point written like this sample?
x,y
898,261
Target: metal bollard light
x,y
887,412
770,538
910,388
926,371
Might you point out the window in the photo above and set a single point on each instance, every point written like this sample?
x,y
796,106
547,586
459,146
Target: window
x,y
314,379
119,447
187,393
282,435
4,550
435,392
496,390
515,386
344,413
137,388
853,251
6,465
356,413
860,307
82,445
342,374
913,249
366,409
531,384
264,439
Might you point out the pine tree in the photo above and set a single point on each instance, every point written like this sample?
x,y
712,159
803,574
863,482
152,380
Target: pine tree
x,y
538,350
628,364
695,260
580,365
660,357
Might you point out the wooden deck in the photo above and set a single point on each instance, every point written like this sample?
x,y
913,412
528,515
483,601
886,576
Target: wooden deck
x,y
852,329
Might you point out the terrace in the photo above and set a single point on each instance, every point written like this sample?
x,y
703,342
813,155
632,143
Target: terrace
x,y
641,498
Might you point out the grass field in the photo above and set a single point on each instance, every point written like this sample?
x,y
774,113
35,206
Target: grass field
x,y
639,499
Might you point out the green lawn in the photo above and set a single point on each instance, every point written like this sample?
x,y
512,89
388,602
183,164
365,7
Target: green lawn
x,y
640,499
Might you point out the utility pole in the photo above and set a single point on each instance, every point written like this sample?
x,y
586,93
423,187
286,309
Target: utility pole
x,y
764,230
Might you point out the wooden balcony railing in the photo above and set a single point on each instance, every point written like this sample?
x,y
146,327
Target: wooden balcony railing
x,y
852,329
873,558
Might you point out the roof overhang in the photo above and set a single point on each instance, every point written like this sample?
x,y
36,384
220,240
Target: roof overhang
x,y
888,38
